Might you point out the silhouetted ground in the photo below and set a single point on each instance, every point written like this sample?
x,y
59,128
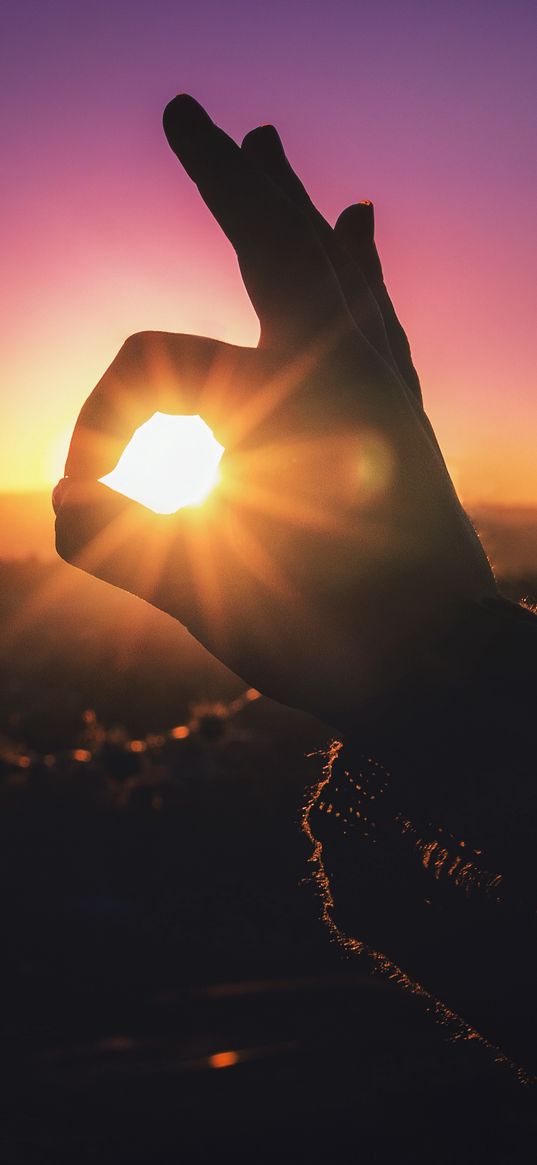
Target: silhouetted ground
x,y
157,915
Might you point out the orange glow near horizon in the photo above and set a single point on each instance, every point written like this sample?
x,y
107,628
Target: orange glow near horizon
x,y
486,468
483,415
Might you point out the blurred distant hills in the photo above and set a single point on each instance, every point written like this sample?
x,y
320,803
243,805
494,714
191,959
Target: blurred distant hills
x,y
509,533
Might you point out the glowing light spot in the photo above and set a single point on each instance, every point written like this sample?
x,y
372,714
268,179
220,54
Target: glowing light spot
x,y
82,755
223,1060
181,732
169,462
137,746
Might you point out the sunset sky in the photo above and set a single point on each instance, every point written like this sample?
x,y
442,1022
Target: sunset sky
x,y
427,108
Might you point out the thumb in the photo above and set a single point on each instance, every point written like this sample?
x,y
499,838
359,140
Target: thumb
x,y
113,538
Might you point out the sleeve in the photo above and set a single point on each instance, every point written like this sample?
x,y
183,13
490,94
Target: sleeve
x,y
425,827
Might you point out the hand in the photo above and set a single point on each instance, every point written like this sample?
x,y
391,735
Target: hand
x,y
334,555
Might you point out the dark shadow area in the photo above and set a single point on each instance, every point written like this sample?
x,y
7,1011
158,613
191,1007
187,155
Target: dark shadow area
x,y
170,992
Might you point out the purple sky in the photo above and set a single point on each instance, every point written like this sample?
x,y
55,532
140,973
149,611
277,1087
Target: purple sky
x,y
426,108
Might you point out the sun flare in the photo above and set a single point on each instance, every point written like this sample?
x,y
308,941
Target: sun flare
x,y
169,462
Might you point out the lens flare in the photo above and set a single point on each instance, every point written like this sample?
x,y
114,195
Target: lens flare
x,y
169,462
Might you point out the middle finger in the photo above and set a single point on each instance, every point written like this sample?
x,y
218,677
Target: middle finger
x,y
263,147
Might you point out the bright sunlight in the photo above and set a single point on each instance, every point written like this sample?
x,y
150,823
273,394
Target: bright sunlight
x,y
169,462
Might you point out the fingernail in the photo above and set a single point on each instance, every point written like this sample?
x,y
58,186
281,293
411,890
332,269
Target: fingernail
x,y
368,217
264,143
183,115
270,134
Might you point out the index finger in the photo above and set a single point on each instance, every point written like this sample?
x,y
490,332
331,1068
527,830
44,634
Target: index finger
x,y
159,372
288,276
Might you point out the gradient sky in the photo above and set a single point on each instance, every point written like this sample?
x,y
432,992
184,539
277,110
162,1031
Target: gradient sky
x,y
427,108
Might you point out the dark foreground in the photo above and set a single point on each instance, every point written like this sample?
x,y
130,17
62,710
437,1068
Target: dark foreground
x,y
170,994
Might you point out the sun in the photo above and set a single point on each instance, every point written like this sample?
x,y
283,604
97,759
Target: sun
x,y
169,462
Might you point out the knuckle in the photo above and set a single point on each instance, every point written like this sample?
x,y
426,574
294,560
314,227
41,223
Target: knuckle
x,y
138,350
138,344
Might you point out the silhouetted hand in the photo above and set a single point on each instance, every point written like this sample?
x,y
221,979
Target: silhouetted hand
x,y
330,563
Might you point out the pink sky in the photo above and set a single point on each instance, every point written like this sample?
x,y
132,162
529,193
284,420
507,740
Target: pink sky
x,y
425,108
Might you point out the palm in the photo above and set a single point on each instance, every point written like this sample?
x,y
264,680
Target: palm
x,y
335,544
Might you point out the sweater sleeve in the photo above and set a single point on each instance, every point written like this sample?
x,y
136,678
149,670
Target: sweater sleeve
x,y
425,827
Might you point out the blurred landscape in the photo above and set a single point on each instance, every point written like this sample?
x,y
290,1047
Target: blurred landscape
x,y
69,643
509,533
159,913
